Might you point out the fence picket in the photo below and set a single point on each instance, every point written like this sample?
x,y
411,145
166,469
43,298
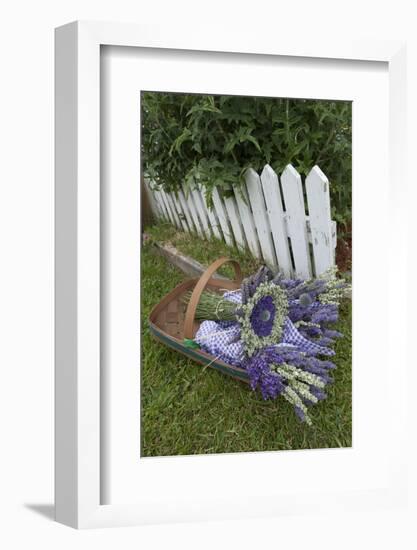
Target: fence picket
x,y
161,206
186,211
179,208
214,223
167,207
201,211
248,223
261,219
334,240
318,200
275,211
222,217
173,209
193,211
296,220
233,214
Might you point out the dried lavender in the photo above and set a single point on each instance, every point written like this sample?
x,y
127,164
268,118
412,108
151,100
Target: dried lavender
x,y
251,283
281,331
287,372
213,306
263,317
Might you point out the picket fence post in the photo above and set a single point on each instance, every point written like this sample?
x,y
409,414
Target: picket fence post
x,y
273,202
318,196
221,212
296,220
257,202
214,224
248,223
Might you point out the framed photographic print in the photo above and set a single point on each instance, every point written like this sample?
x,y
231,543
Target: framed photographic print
x,y
182,395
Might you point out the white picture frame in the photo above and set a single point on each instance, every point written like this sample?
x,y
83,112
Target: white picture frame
x,y
79,408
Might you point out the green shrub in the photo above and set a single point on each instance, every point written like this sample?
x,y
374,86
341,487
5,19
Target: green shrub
x,y
214,139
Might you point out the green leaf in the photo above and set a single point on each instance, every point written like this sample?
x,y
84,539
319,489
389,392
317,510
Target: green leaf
x,y
253,140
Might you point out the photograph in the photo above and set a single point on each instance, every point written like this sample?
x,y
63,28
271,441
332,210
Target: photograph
x,y
208,252
246,274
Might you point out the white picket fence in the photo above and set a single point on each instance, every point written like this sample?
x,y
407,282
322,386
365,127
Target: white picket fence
x,y
271,221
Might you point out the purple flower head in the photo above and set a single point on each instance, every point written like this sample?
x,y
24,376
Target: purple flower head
x,y
305,299
279,370
261,376
263,316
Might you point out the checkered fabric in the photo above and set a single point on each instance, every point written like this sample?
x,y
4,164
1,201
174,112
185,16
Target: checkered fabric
x,y
222,339
291,335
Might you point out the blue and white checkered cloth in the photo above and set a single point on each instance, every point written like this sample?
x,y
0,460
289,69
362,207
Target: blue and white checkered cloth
x,y
222,339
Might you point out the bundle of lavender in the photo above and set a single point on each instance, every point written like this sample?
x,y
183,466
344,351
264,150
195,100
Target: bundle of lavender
x,y
276,329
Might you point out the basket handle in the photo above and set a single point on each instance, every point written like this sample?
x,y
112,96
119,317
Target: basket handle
x,y
200,286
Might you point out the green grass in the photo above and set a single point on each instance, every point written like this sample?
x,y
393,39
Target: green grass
x,y
192,246
187,409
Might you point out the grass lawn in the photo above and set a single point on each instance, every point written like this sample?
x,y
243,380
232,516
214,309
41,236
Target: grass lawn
x,y
187,409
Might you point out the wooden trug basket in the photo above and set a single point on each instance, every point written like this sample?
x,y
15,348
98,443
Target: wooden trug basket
x,y
171,321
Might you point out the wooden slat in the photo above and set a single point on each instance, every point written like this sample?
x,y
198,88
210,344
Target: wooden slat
x,y
222,217
211,213
334,240
310,240
174,212
260,216
162,207
186,211
233,214
194,215
201,211
318,200
296,220
180,211
167,207
272,193
334,233
248,223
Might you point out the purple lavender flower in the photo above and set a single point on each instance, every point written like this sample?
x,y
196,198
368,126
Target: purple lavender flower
x,y
283,326
285,370
300,413
263,315
269,383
